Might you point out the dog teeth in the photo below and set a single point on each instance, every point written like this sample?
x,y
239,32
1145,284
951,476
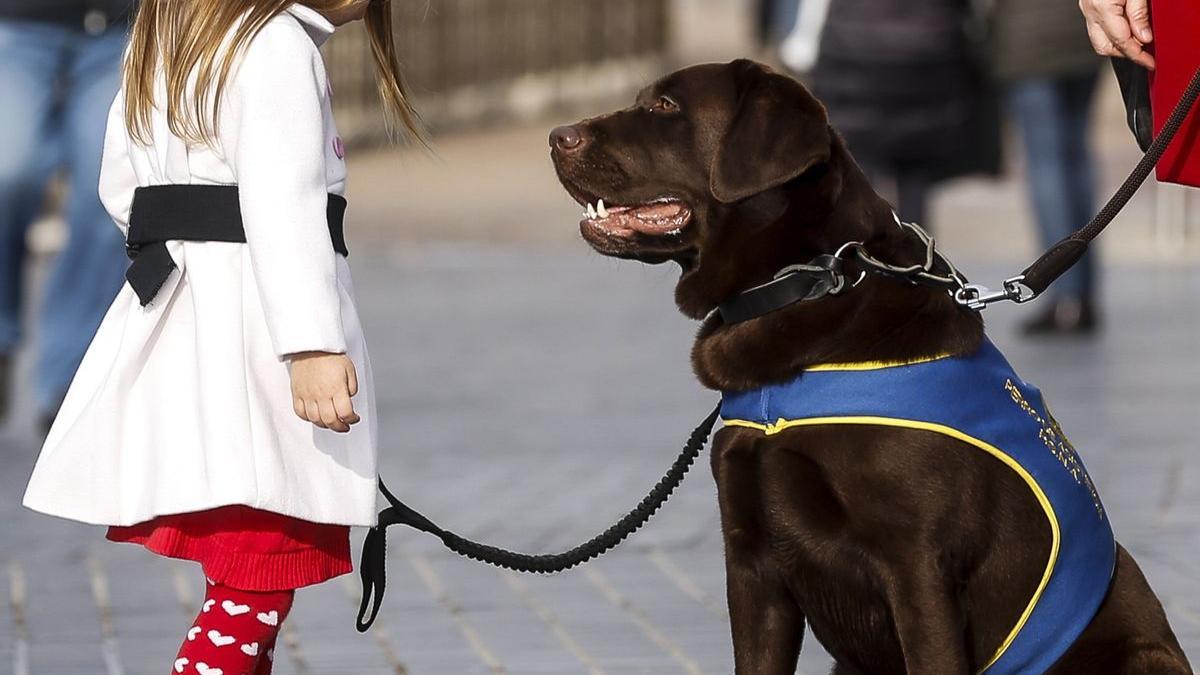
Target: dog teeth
x,y
591,212
603,212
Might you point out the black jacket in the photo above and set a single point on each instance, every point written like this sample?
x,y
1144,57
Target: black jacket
x,y
898,78
68,12
1040,38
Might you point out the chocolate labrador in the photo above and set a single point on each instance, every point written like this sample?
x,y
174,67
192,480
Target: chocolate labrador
x,y
903,546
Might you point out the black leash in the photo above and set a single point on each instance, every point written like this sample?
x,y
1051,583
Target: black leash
x,y
373,567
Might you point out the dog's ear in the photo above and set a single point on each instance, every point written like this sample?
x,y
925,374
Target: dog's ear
x,y
778,131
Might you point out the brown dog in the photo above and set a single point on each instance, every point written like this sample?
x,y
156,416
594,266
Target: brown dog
x,y
900,559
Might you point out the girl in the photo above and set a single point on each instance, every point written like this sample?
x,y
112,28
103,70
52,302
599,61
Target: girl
x,y
224,412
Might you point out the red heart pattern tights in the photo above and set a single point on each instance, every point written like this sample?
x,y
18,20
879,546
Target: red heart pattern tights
x,y
234,633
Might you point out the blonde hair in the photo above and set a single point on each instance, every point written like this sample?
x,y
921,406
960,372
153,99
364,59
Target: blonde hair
x,y
190,36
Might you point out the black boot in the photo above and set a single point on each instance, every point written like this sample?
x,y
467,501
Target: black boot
x,y
1064,316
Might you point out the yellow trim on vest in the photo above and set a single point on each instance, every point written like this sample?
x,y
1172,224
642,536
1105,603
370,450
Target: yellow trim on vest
x,y
782,424
873,365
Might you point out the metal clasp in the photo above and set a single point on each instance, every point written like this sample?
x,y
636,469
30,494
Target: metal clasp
x,y
978,296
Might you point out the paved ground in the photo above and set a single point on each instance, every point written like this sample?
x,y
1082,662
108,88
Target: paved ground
x,y
528,396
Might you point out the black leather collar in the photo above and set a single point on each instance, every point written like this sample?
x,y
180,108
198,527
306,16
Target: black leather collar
x,y
822,276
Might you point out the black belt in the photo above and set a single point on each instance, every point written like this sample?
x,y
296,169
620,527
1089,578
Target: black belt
x,y
163,213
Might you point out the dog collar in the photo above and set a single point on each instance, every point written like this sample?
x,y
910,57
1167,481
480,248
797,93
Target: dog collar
x,y
822,276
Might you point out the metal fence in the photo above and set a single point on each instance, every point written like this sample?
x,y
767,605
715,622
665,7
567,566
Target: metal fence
x,y
472,62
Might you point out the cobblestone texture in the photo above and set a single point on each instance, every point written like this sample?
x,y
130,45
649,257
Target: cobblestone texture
x,y
528,396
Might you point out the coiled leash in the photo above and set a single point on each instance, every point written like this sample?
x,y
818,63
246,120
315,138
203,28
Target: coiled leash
x,y
821,277
373,567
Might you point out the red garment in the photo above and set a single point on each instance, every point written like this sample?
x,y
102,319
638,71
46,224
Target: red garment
x,y
1177,56
234,633
247,548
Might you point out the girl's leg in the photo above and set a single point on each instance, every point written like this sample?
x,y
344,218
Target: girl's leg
x,y
233,632
267,660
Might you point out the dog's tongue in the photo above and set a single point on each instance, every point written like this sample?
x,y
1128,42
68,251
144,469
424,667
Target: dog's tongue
x,y
654,219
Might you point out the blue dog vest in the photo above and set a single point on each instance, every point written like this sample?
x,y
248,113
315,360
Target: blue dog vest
x,y
977,399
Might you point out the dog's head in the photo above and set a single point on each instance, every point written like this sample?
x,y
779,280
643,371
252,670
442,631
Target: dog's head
x,y
704,163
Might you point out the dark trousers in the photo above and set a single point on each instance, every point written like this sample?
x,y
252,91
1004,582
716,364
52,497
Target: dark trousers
x,y
905,184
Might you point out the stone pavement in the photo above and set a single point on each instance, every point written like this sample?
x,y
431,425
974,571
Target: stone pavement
x,y
528,396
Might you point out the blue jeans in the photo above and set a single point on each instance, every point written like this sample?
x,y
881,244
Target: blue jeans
x,y
1053,116
56,85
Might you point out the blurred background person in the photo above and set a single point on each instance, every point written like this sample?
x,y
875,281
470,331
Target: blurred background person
x,y
59,71
799,49
774,20
902,82
1050,74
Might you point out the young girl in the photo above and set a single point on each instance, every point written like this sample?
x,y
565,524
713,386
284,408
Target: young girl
x,y
224,412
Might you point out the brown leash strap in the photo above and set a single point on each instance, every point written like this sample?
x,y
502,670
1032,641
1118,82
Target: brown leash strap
x,y
1054,262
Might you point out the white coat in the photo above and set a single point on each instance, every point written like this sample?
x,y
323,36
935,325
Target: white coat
x,y
185,404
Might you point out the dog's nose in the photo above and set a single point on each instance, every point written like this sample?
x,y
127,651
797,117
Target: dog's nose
x,y
566,138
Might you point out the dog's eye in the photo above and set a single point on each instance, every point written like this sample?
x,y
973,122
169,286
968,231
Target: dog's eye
x,y
665,104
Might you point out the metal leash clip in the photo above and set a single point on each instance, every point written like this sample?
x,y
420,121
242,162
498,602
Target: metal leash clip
x,y
978,296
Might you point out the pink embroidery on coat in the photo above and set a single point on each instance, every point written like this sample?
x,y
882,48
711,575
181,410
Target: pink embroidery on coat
x,y
339,148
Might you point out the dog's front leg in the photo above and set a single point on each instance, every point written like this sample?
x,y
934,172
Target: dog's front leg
x,y
927,617
767,624
768,627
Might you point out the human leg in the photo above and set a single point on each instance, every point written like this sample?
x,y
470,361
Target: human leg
x,y
88,272
1041,110
29,60
235,632
912,194
1077,93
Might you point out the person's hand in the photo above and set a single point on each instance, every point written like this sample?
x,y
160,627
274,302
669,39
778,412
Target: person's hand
x,y
322,385
1120,28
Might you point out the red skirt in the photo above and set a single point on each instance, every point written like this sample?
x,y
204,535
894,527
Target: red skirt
x,y
246,548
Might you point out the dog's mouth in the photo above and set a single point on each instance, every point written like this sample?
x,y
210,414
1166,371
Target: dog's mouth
x,y
661,217
651,229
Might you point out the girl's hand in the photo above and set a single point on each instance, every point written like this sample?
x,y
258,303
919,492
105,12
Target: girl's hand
x,y
322,385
